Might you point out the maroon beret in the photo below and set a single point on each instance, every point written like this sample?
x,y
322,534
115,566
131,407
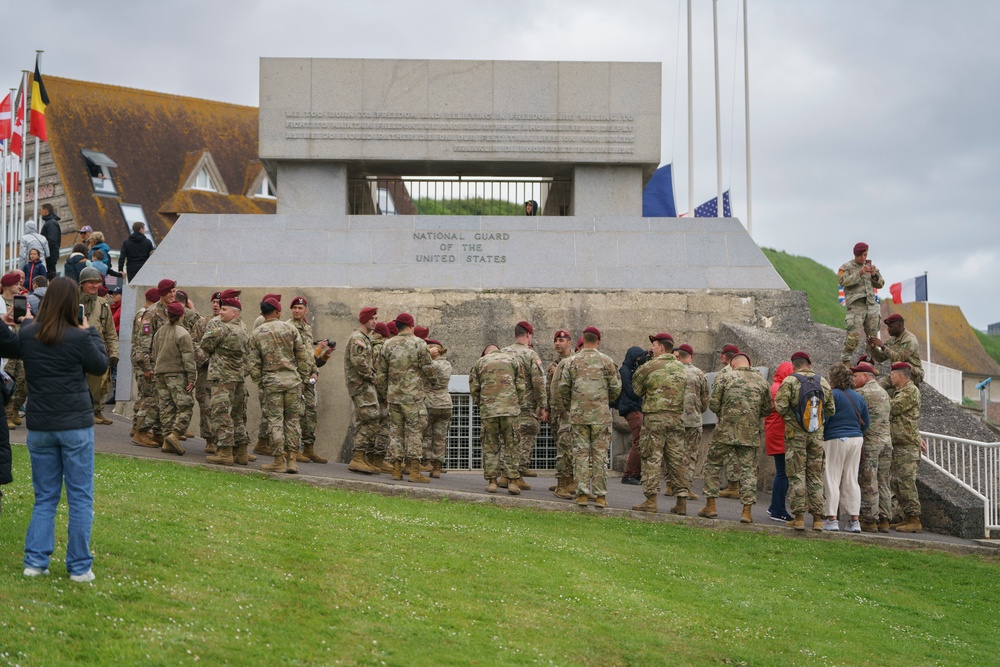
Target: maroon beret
x,y
404,319
863,367
662,336
230,294
730,349
431,341
579,343
152,294
393,329
165,285
102,290
421,332
382,329
367,313
527,327
175,308
901,366
216,296
860,248
892,319
801,355
231,301
276,297
593,330
10,279
684,347
272,302
744,355
562,333
299,301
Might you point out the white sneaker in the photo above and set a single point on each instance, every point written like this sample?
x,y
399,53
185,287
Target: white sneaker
x,y
832,525
84,578
854,527
34,572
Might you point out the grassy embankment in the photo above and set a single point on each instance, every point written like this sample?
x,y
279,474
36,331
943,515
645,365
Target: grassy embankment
x,y
816,280
195,565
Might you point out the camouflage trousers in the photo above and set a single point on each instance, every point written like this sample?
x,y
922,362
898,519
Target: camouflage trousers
x,y
905,463
203,395
804,467
145,396
15,368
406,430
498,438
229,413
527,433
692,442
382,441
282,413
308,425
562,432
873,477
663,447
436,435
98,390
367,421
744,458
862,321
176,406
263,432
590,458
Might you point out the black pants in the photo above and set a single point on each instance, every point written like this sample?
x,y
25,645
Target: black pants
x,y
50,266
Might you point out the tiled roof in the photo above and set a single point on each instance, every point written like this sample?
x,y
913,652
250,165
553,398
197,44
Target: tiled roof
x,y
953,342
151,137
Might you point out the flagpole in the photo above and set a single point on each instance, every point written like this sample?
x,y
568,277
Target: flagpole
x,y
24,144
718,110
3,197
9,214
927,317
34,212
746,94
690,65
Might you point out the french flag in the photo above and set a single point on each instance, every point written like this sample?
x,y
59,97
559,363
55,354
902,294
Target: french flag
x,y
912,289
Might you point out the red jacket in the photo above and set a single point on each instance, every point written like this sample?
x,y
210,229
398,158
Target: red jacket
x,y
774,424
116,315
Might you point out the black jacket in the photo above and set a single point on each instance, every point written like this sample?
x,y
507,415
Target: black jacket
x,y
135,251
58,395
74,265
52,234
627,400
9,348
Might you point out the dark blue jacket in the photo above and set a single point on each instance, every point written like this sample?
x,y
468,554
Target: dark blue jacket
x,y
628,401
844,424
9,349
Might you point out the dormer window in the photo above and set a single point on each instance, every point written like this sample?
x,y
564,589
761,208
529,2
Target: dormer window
x,y
99,168
203,175
203,181
264,189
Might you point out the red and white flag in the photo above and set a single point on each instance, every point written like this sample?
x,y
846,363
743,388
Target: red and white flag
x,y
12,167
17,135
5,118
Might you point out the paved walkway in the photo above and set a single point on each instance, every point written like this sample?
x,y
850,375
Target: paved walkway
x,y
470,486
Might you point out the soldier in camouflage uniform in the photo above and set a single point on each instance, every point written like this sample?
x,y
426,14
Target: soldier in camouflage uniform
x,y
876,452
145,389
533,407
150,433
404,368
497,386
860,278
11,283
901,345
661,382
359,373
741,399
263,444
904,416
804,451
175,373
559,424
589,384
98,314
696,399
379,336
732,490
438,408
280,365
225,345
300,308
202,390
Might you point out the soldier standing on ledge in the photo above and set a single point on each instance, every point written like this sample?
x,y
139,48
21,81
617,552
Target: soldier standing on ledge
x,y
860,278
901,345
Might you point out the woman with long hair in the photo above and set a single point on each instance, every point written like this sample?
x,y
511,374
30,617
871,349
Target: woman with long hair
x,y
59,351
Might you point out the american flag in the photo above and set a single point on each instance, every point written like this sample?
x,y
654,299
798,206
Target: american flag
x,y
710,209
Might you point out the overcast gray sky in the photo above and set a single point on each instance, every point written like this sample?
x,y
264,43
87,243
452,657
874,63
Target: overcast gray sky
x,y
871,121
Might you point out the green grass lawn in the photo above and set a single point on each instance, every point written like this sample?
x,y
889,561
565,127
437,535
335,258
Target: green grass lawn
x,y
816,280
201,566
990,343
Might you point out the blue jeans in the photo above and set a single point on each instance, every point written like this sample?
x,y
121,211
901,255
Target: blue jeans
x,y
58,457
779,488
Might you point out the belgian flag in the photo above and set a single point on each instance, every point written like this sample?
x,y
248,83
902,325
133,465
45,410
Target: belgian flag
x,y
39,100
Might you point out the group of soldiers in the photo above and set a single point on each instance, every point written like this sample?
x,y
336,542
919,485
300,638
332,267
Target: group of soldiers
x,y
180,357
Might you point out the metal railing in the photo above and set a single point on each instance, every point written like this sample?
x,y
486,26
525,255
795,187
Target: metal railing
x,y
377,195
974,465
948,381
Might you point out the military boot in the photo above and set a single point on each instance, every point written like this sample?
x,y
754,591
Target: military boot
x,y
681,506
582,499
798,523
883,525
436,469
911,525
144,439
397,470
210,445
528,472
240,456
379,463
158,439
502,482
513,487
491,487
309,449
731,491
692,495
278,465
869,526
415,475
708,511
133,431
172,443
522,483
358,463
426,466
817,522
571,487
291,463
601,502
648,505
223,456
301,457
668,490
187,435
263,447
746,517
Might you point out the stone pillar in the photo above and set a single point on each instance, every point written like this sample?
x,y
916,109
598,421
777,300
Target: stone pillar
x,y
312,187
606,190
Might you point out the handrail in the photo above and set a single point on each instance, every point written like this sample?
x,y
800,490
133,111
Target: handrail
x,y
974,465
